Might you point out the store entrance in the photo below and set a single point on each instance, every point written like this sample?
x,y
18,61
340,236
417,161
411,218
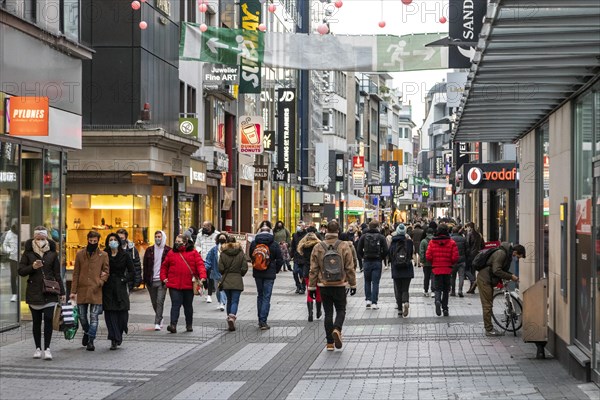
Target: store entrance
x,y
596,277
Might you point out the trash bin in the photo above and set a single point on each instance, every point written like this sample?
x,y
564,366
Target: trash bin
x,y
535,315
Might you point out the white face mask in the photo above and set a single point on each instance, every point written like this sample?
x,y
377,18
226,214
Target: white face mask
x,y
41,242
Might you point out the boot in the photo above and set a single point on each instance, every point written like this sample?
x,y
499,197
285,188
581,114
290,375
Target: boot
x,y
172,328
231,322
472,288
90,346
309,304
319,310
113,345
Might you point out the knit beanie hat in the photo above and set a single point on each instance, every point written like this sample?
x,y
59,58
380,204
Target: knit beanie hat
x,y
401,230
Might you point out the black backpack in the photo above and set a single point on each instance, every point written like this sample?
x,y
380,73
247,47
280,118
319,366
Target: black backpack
x,y
372,246
481,259
400,256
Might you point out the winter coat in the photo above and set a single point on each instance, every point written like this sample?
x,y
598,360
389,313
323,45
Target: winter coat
x,y
316,264
382,245
402,271
10,245
296,238
422,249
204,242
137,265
305,248
474,243
115,296
35,281
275,256
89,275
417,235
498,265
212,263
149,262
175,269
281,235
461,243
233,265
442,252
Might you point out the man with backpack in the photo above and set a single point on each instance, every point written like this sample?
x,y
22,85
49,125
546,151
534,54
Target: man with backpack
x,y
493,266
442,252
401,251
266,264
332,269
372,249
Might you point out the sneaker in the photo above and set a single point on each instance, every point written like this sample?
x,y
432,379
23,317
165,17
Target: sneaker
x,y
157,327
329,347
208,299
13,298
426,294
189,328
438,308
337,338
38,353
222,307
161,322
264,327
405,310
460,294
47,355
400,313
446,314
369,303
374,306
493,333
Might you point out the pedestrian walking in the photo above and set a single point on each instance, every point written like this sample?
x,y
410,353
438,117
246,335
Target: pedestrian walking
x,y
305,248
474,245
497,268
39,262
10,246
418,234
372,249
129,247
425,264
442,252
204,242
460,268
182,265
233,266
283,238
400,255
212,269
90,273
153,258
332,270
115,293
266,264
299,260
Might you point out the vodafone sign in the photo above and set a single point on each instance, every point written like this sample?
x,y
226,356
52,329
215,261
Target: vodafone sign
x,y
490,176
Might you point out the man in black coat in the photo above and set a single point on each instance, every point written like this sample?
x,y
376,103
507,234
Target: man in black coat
x,y
298,259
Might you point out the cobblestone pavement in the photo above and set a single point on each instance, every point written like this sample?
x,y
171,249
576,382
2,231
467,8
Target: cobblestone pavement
x,y
384,356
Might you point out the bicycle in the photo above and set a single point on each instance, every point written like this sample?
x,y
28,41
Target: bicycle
x,y
507,311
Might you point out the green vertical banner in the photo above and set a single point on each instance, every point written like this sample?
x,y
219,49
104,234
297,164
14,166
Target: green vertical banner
x,y
251,11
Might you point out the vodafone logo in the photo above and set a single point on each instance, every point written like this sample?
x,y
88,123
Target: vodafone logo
x,y
474,176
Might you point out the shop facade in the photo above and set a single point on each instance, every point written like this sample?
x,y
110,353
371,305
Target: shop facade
x,y
192,196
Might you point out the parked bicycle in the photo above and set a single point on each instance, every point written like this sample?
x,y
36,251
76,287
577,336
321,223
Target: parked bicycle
x,y
507,309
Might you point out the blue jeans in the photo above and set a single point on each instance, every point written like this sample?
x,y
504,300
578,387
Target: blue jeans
x,y
264,287
179,298
233,299
372,270
89,327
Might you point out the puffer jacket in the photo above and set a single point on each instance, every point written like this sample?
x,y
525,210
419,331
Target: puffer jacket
x,y
35,280
461,243
174,268
233,265
275,254
316,264
305,248
442,252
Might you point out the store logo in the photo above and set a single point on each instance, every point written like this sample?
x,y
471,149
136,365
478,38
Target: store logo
x,y
474,176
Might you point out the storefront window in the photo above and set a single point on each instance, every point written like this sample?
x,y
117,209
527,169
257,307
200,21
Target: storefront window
x,y
9,234
209,205
188,211
543,199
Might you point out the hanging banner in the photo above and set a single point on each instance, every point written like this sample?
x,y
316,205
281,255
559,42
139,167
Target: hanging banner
x,y
389,173
321,164
358,172
249,61
465,20
250,135
339,168
269,140
280,175
367,53
286,129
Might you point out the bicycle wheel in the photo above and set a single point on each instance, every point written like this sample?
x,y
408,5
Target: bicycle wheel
x,y
508,318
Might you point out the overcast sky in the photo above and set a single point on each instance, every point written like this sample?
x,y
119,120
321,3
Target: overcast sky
x,y
361,17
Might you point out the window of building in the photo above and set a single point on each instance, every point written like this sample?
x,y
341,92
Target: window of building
x,y
181,98
191,101
543,198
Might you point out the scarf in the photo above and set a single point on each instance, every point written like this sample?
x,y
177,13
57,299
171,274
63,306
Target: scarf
x,y
40,250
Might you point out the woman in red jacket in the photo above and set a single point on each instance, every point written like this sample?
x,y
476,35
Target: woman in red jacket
x,y
442,252
180,265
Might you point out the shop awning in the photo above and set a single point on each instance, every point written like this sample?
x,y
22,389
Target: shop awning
x,y
531,58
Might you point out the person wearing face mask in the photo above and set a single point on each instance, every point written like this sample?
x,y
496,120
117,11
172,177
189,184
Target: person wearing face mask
x,y
177,271
38,262
204,242
299,261
130,249
115,296
153,258
212,269
89,275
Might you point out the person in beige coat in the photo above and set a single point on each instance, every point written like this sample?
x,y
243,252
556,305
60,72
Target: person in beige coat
x,y
333,289
90,273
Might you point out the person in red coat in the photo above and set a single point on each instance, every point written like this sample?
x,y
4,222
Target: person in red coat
x,y
442,252
180,265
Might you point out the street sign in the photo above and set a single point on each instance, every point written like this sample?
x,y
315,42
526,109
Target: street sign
x,y
425,192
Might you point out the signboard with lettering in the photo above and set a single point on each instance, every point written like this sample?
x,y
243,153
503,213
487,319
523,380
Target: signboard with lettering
x,y
250,74
27,116
286,129
465,20
439,166
250,134
261,172
221,161
374,190
219,74
269,140
280,175
489,176
390,174
358,172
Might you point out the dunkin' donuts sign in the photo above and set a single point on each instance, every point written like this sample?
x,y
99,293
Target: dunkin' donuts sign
x,y
490,176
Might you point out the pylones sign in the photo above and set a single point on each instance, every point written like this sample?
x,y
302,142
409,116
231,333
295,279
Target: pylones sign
x,y
250,135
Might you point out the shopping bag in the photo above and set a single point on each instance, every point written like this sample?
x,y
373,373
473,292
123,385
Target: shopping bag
x,y
69,320
56,318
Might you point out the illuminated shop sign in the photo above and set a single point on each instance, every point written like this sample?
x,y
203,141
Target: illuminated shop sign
x,y
490,176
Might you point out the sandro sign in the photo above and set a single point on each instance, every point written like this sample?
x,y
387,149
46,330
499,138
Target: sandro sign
x,y
490,176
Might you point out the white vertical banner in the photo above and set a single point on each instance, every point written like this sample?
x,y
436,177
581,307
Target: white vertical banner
x,y
321,164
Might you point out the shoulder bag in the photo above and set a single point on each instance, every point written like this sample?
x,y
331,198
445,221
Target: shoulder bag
x,y
51,286
196,285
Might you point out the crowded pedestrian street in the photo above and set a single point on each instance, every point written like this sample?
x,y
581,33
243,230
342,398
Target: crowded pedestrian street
x,y
383,356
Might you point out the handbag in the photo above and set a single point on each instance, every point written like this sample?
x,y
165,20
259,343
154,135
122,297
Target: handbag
x,y
51,286
196,284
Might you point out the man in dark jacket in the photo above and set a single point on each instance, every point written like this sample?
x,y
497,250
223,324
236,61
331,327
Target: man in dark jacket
x,y
497,268
474,245
460,267
443,254
427,270
130,249
372,249
265,279
153,259
297,257
417,235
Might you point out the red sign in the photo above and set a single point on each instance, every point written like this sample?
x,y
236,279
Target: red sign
x,y
27,116
358,162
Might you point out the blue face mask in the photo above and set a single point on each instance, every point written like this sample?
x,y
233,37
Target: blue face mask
x,y
113,244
